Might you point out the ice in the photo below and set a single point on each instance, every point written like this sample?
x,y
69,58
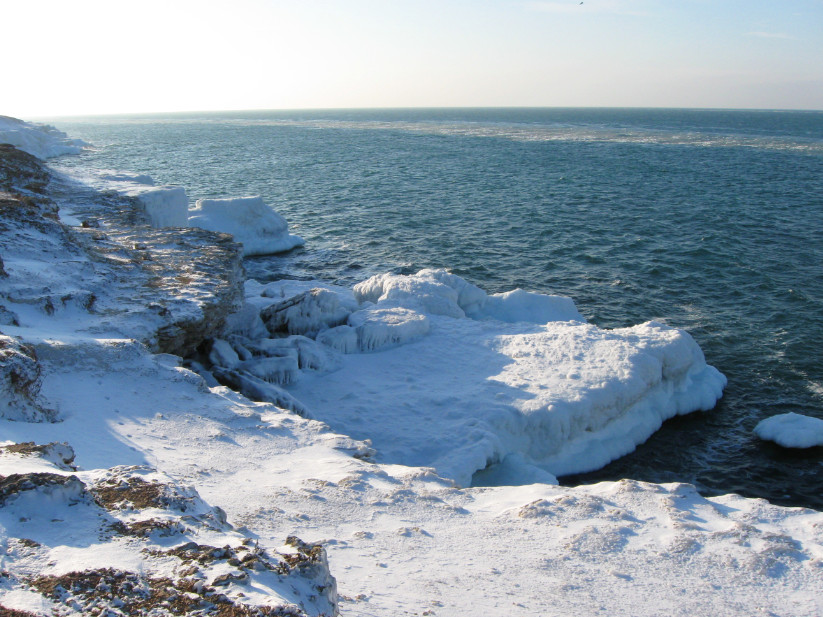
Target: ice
x,y
439,292
791,430
127,177
260,229
522,306
40,140
306,313
341,338
222,354
280,370
494,377
165,206
383,327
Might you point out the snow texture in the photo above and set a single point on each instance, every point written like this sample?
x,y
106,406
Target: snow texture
x,y
791,430
40,140
260,229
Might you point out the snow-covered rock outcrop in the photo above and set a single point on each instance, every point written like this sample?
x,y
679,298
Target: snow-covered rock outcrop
x,y
171,288
464,381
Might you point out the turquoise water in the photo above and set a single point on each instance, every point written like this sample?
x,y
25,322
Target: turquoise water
x,y
707,220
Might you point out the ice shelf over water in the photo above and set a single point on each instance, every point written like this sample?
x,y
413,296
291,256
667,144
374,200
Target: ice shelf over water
x,y
261,230
437,373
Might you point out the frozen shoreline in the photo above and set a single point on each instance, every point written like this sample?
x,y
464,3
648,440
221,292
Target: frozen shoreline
x,y
399,536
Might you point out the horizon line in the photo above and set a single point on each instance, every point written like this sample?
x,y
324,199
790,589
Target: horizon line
x,y
419,108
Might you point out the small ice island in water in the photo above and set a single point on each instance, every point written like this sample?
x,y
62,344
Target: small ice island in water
x,y
386,449
791,430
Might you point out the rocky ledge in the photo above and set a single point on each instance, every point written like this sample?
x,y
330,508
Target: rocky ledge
x,y
169,288
86,280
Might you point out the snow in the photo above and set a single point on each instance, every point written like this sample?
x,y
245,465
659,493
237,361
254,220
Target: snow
x,y
439,292
791,430
449,386
40,140
371,450
261,230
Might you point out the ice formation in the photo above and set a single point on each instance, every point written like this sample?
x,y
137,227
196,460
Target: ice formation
x,y
40,140
261,230
791,430
165,206
440,292
460,380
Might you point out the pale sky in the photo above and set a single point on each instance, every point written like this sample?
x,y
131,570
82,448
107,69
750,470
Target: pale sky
x,y
75,57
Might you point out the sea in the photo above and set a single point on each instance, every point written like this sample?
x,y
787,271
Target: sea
x,y
707,220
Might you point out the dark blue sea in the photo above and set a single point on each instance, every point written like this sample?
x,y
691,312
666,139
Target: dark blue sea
x,y
707,220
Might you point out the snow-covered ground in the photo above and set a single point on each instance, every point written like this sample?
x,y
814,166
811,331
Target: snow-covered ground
x,y
399,390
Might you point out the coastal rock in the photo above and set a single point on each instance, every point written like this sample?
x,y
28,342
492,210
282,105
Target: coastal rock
x,y
20,383
169,288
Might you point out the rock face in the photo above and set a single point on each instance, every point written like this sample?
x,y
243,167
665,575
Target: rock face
x,y
169,288
20,383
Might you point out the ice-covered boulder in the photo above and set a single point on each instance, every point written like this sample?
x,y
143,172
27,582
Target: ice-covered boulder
x,y
279,370
791,430
260,229
40,140
257,389
430,291
382,327
310,354
522,306
223,354
306,313
342,338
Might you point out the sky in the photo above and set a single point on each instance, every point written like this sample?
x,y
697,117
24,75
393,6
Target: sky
x,y
86,57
